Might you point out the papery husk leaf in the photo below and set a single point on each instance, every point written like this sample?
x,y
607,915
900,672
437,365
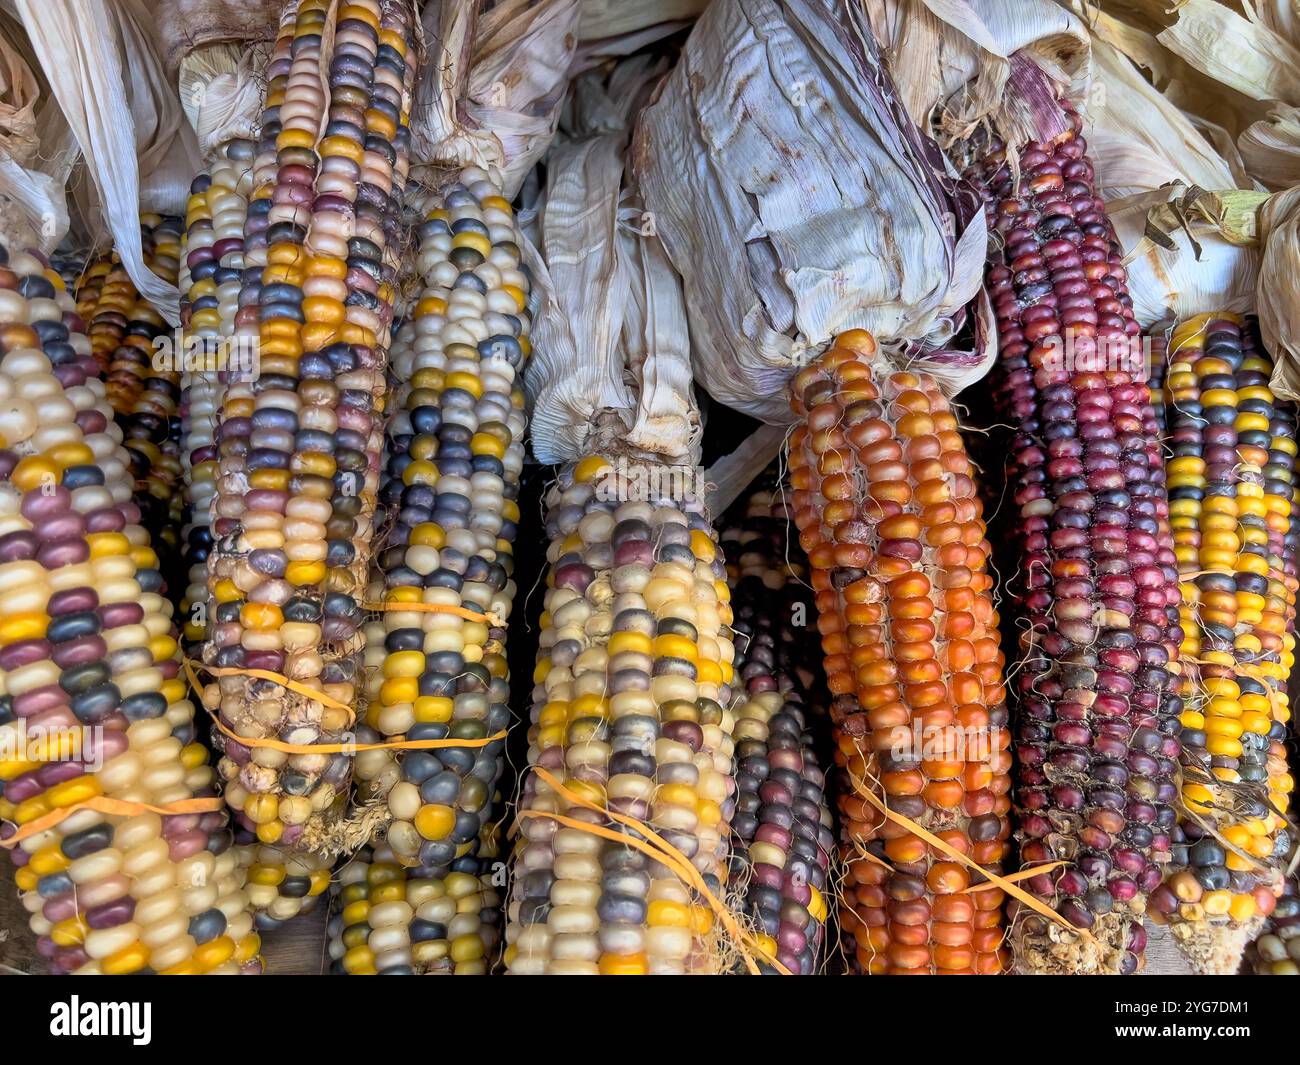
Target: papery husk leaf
x,y
1219,111
189,26
618,18
1278,292
1271,147
222,87
606,101
33,205
656,343
1244,55
493,87
102,63
1139,140
576,372
19,93
797,201
613,29
611,371
1188,249
951,58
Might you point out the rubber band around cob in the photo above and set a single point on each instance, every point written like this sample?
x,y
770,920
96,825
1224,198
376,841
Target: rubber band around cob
x,y
1231,485
299,448
784,841
91,676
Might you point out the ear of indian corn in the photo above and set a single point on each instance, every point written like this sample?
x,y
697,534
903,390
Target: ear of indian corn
x,y
1277,951
211,272
1231,484
390,920
300,445
89,678
144,387
888,515
281,883
455,452
782,825
632,682
1091,557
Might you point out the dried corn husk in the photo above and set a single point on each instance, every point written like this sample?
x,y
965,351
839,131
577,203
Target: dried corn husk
x,y
190,26
1236,51
611,371
1188,249
33,207
494,84
222,91
797,201
603,19
1278,293
1141,141
1230,65
103,64
958,55
609,29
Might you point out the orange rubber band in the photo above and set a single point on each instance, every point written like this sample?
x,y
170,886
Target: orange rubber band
x,y
1009,886
337,748
116,807
658,848
1011,878
396,607
350,748
266,674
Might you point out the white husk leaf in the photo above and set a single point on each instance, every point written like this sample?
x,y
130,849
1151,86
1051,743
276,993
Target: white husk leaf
x,y
1179,261
104,66
657,344
222,88
576,373
33,207
610,29
611,368
1238,52
618,18
188,26
954,54
1271,148
1139,140
492,88
796,207
1278,294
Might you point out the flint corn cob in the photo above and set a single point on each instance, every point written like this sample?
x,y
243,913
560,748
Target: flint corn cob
x,y
782,823
1231,483
300,448
89,677
632,681
129,363
391,920
1096,581
1277,951
211,271
891,524
105,300
455,452
281,884
146,395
